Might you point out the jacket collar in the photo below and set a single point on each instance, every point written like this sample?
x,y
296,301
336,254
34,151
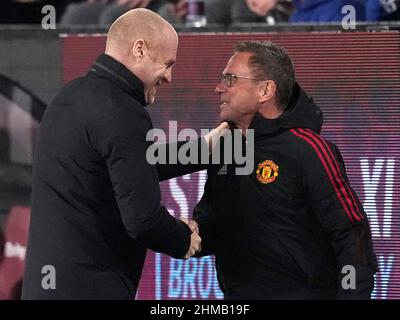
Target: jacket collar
x,y
263,126
301,112
108,67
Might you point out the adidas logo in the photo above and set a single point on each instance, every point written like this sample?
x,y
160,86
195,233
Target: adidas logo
x,y
223,171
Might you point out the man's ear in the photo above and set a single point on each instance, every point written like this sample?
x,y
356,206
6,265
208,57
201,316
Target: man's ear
x,y
267,91
139,49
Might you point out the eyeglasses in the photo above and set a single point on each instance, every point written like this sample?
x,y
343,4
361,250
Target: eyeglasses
x,y
227,78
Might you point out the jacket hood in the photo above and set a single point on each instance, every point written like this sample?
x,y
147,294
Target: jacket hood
x,y
301,112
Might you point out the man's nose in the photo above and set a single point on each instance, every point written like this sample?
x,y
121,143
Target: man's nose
x,y
168,76
219,88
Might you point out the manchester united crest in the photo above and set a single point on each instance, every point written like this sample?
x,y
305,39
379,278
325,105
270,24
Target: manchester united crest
x,y
267,172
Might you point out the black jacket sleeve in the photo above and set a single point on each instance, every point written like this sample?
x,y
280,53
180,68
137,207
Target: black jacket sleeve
x,y
121,139
170,170
204,215
341,214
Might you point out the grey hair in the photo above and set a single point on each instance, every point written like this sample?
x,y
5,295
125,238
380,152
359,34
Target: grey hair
x,y
270,61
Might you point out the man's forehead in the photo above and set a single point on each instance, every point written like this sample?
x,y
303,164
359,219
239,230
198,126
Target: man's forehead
x,y
169,57
239,61
168,47
166,51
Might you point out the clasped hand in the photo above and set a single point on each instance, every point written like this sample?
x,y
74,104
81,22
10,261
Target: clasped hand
x,y
195,240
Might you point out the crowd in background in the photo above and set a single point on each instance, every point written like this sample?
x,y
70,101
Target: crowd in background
x,y
104,12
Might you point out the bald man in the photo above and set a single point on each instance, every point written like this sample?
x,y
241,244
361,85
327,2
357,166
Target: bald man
x,y
95,198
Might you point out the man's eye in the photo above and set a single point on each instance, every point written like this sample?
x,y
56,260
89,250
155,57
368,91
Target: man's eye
x,y
169,64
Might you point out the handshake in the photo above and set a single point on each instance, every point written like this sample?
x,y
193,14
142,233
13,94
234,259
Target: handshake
x,y
195,240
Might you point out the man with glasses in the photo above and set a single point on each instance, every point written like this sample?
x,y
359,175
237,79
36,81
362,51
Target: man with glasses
x,y
293,228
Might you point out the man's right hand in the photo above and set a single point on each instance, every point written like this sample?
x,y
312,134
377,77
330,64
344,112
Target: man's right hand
x,y
195,245
214,135
195,240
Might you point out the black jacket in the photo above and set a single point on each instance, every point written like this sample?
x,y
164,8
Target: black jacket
x,y
95,199
286,230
